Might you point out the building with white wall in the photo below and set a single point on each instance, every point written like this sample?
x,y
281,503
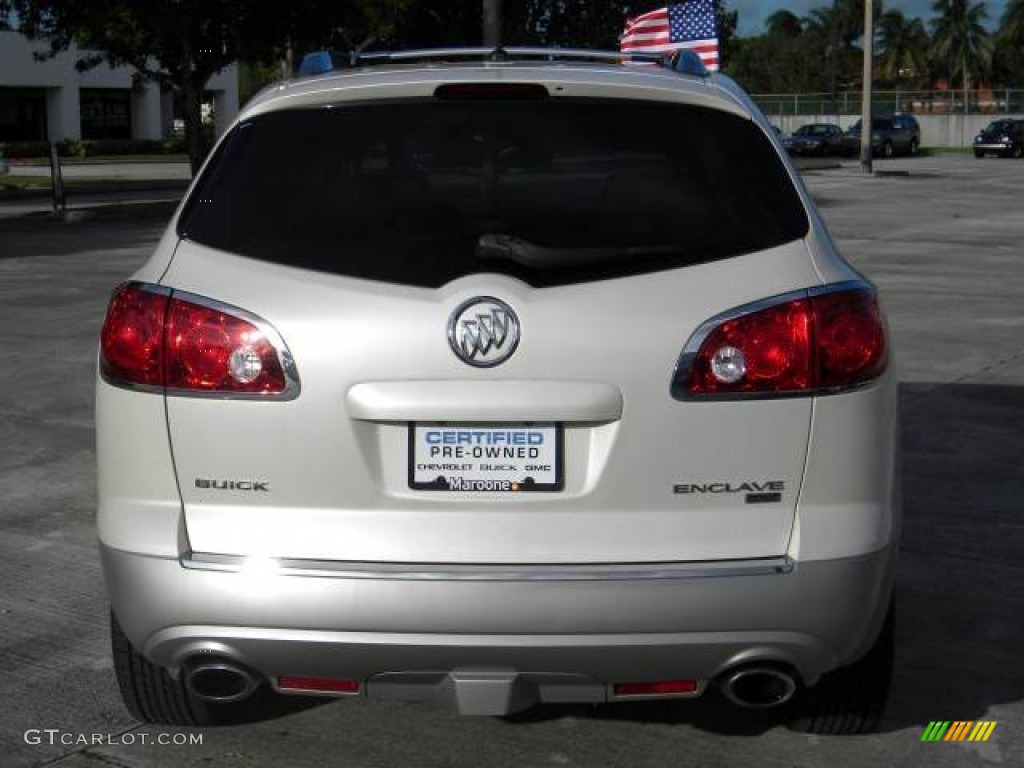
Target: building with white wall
x,y
51,100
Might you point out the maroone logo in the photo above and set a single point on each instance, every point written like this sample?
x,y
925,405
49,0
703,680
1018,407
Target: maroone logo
x,y
483,331
958,730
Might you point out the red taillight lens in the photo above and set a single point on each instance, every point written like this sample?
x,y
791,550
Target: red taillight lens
x,y
213,350
318,684
813,343
131,344
660,688
771,353
850,333
152,337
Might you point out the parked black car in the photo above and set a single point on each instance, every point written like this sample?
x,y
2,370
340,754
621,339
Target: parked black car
x,y
889,136
814,139
1002,137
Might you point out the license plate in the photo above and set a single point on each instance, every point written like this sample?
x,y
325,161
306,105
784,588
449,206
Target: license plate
x,y
509,458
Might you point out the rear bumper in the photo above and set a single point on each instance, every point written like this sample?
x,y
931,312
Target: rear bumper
x,y
994,146
617,624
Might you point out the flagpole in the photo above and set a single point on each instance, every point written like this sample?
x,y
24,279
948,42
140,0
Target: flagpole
x,y
865,104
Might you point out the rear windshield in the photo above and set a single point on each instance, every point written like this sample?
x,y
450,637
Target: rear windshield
x,y
552,191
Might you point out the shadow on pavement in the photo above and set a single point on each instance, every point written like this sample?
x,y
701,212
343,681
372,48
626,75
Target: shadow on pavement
x,y
104,229
960,580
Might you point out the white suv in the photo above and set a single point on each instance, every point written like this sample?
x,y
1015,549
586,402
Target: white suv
x,y
499,378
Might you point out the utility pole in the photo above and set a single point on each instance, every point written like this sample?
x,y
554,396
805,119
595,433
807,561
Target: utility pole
x,y
865,103
492,23
833,52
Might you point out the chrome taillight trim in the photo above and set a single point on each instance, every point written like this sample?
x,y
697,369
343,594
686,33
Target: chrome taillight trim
x,y
284,356
684,364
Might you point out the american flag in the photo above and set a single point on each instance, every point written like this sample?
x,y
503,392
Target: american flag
x,y
692,24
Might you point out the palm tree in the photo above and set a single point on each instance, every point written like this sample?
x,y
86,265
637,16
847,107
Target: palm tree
x,y
783,23
1009,44
836,28
1012,27
903,43
960,43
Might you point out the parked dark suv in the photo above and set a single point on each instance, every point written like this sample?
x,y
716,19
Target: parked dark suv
x,y
1002,137
889,136
814,139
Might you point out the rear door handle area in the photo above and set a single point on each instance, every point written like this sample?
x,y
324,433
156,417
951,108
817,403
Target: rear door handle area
x,y
490,401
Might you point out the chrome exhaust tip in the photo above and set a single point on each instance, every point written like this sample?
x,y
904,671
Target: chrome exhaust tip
x,y
220,682
759,686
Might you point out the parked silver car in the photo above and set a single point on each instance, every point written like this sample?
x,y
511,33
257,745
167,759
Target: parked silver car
x,y
499,378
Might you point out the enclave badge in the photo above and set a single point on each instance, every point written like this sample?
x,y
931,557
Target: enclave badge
x,y
483,331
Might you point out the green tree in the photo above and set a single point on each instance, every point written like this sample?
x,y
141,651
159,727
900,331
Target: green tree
x,y
183,43
904,45
1008,54
961,46
428,24
831,33
784,24
581,23
727,40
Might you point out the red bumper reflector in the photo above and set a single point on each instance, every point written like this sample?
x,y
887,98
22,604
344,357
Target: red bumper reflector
x,y
318,684
662,687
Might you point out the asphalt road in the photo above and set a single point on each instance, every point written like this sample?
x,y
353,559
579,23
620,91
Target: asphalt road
x,y
945,244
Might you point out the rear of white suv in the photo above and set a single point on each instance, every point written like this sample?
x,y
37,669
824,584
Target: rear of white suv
x,y
496,384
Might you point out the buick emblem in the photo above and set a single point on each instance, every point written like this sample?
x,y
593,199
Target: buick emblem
x,y
483,331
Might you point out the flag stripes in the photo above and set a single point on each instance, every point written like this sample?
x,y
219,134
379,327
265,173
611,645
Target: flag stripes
x,y
690,25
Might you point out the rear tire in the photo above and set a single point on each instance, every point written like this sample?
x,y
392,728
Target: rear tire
x,y
850,699
1018,151
151,695
887,149
914,148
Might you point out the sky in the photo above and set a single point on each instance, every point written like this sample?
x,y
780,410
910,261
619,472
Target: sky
x,y
754,12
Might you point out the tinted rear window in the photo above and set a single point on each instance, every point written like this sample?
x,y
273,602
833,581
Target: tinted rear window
x,y
552,192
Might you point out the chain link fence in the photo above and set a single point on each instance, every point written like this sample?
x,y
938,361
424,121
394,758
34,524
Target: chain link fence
x,y
980,102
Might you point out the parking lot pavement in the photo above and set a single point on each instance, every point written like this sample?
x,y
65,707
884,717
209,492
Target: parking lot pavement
x,y
175,169
945,244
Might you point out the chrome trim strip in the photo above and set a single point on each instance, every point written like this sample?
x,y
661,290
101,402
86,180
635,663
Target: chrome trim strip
x,y
776,566
681,372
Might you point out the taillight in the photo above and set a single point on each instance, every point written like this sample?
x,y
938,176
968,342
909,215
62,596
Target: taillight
x,y
812,342
659,688
318,684
132,341
186,344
